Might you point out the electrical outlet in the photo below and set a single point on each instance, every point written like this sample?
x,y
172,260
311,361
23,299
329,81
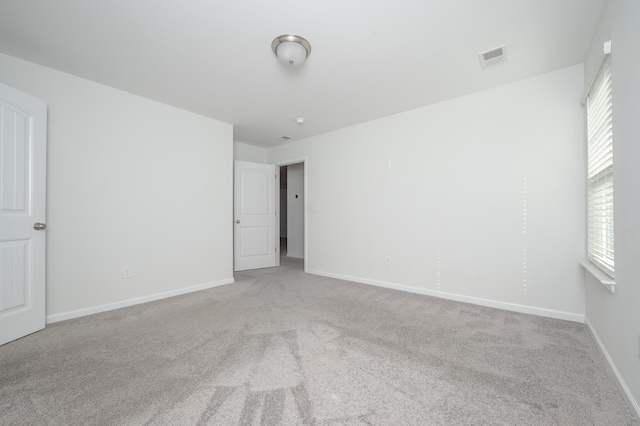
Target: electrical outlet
x,y
126,272
387,260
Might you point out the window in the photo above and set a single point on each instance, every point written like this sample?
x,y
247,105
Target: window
x,y
600,247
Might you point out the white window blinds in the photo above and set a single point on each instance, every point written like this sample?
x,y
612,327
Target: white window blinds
x,y
600,171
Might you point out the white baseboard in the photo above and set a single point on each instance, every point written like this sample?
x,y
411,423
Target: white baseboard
x,y
135,301
514,307
625,389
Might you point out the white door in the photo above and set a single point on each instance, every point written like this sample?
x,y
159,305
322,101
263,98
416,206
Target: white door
x,y
255,216
23,126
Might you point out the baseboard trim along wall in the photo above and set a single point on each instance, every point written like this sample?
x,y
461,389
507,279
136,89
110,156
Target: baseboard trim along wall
x,y
514,307
625,389
135,301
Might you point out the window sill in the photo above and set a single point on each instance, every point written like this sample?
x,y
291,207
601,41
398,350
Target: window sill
x,y
603,278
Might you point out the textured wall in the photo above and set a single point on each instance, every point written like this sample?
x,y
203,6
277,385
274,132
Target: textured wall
x,y
246,152
131,182
615,317
483,200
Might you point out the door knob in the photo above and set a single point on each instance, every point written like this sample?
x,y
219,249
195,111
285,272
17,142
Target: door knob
x,y
238,221
39,226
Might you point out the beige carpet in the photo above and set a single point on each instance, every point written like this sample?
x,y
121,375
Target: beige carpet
x,y
282,347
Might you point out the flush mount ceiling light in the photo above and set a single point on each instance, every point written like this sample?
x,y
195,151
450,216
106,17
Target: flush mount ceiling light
x,y
291,49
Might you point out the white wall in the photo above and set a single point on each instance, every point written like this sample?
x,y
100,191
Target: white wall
x,y
450,211
295,210
131,182
245,152
615,318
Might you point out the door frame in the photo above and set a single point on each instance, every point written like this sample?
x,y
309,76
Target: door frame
x,y
305,162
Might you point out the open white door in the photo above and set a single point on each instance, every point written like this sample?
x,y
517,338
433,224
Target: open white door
x,y
23,126
255,216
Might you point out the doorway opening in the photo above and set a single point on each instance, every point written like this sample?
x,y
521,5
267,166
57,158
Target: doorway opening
x,y
292,211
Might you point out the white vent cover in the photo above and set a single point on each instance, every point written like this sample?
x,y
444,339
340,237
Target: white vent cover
x,y
492,57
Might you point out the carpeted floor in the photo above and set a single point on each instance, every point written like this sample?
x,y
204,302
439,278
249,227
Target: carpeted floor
x,y
282,347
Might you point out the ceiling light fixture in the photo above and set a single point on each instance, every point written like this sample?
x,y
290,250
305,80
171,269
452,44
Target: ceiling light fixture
x,y
291,50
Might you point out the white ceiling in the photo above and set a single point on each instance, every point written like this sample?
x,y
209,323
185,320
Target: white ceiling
x,y
369,59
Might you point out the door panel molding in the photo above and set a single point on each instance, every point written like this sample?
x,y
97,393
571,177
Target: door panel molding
x,y
23,124
255,216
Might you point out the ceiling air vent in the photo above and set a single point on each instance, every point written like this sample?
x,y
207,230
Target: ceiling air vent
x,y
493,57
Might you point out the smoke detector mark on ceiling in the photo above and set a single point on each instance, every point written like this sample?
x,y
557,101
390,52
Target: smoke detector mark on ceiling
x,y
493,57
